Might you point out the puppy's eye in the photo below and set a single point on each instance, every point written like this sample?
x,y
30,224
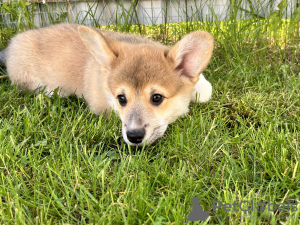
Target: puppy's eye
x,y
156,99
122,100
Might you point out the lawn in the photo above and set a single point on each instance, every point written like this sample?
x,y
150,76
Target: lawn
x,y
60,164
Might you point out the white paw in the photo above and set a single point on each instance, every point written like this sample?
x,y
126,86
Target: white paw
x,y
203,90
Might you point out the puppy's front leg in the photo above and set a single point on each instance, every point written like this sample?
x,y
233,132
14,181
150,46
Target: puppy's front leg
x,y
203,90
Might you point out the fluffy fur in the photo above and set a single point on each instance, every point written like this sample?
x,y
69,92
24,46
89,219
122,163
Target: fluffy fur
x,y
103,65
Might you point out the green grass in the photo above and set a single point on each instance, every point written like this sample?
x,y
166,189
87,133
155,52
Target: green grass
x,y
60,164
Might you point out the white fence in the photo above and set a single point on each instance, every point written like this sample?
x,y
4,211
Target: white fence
x,y
107,12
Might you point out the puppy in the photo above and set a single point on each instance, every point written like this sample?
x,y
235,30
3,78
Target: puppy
x,y
148,84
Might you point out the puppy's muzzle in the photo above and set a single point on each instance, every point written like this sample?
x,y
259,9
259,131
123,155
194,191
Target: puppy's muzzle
x,y
136,136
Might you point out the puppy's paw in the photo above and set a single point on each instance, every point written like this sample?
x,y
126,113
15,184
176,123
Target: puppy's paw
x,y
203,90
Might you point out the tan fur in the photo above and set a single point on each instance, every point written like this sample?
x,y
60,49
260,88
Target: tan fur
x,y
100,65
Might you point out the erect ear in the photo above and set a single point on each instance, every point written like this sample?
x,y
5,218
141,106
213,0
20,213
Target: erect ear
x,y
192,54
97,45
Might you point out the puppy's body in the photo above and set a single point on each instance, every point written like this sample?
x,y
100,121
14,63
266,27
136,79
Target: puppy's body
x,y
55,57
157,82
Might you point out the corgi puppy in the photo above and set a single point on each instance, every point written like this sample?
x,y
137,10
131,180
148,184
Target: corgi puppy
x,y
148,84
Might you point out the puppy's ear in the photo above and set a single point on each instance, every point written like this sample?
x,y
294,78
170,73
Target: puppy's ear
x,y
192,54
97,45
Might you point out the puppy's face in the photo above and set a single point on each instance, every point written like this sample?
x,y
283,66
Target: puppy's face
x,y
147,93
149,86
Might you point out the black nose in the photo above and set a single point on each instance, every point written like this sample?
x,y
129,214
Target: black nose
x,y
136,136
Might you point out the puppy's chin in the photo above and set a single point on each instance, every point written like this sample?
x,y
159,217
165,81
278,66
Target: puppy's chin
x,y
151,135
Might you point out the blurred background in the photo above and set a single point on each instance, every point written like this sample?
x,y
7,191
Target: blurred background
x,y
274,19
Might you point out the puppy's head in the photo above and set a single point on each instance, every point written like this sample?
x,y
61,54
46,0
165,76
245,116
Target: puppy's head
x,y
149,85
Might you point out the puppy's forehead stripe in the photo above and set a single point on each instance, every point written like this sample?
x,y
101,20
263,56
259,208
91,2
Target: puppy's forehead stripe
x,y
135,75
